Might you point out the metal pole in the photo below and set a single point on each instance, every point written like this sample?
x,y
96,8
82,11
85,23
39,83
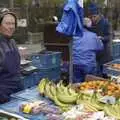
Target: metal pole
x,y
71,62
11,4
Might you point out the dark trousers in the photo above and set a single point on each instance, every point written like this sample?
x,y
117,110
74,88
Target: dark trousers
x,y
80,71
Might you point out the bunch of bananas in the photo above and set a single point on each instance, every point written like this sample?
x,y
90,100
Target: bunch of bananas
x,y
41,85
90,101
113,111
63,96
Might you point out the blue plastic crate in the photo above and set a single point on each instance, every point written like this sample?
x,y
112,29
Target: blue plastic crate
x,y
34,78
116,50
30,80
47,59
13,106
51,73
109,70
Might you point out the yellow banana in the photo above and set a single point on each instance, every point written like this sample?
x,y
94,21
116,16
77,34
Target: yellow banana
x,y
47,91
72,91
53,89
27,108
41,85
109,111
70,99
97,104
115,110
65,109
62,89
57,102
90,107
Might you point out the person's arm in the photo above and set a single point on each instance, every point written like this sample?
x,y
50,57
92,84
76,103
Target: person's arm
x,y
1,58
106,32
100,45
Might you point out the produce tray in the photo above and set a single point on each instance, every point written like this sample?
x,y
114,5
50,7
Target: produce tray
x,y
30,94
13,107
109,68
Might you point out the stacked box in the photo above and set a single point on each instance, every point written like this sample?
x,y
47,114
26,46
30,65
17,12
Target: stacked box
x,y
48,65
30,80
34,78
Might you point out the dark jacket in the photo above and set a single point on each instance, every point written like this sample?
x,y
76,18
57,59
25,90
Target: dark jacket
x,y
9,68
102,28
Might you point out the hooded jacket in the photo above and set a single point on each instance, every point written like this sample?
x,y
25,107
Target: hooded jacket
x,y
71,23
85,49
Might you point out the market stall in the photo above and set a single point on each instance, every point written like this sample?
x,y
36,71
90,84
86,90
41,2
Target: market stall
x,y
96,98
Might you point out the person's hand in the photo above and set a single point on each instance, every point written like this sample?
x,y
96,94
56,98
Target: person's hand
x,y
100,37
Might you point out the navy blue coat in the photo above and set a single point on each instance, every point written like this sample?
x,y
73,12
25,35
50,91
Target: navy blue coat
x,y
9,69
102,28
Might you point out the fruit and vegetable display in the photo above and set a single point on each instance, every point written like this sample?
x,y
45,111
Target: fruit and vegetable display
x,y
116,66
37,107
113,66
93,95
104,87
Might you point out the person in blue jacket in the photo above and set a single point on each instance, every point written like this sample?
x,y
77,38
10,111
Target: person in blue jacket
x,y
102,27
84,53
9,56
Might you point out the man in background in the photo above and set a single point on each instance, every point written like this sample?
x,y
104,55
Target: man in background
x,y
102,27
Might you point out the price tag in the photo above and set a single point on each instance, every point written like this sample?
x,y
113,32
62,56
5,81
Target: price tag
x,y
108,99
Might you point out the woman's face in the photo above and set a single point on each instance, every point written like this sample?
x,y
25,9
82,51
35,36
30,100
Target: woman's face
x,y
7,26
94,18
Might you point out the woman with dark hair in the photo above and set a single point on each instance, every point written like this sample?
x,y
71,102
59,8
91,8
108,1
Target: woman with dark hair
x,y
9,56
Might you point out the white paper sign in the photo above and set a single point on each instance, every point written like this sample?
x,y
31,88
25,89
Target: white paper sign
x,y
22,22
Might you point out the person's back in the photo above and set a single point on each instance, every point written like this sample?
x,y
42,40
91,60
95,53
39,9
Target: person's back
x,y
84,54
85,48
